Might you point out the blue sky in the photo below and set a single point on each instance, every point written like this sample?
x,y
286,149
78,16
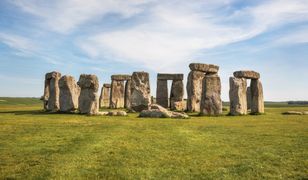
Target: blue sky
x,y
106,37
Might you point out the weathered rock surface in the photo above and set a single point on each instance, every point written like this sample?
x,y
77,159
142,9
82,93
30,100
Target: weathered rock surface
x,y
69,94
161,76
237,95
246,74
176,95
157,111
207,68
211,103
117,94
127,97
88,99
140,91
249,99
194,90
162,93
104,99
52,91
121,77
257,101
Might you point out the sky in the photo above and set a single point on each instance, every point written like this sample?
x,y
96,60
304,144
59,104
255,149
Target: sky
x,y
105,37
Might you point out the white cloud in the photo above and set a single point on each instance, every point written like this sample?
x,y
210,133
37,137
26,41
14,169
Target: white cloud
x,y
65,15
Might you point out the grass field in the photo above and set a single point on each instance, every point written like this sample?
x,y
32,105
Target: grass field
x,y
36,145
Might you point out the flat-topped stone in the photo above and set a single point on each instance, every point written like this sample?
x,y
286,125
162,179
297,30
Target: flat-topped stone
x,y
163,76
121,77
53,74
107,85
207,68
246,74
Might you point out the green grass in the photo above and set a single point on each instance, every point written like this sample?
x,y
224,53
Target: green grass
x,y
35,145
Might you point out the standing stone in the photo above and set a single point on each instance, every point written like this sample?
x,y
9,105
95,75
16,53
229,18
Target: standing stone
x,y
248,98
176,95
117,94
69,93
211,103
194,90
88,99
52,91
237,95
257,101
127,98
140,91
105,96
162,93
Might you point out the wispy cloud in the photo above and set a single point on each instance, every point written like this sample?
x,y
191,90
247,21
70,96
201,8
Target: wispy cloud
x,y
17,42
176,31
64,16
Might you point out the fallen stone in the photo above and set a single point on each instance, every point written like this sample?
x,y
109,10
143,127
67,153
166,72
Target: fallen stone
x,y
237,95
140,91
157,111
69,93
211,103
161,76
88,99
206,68
246,74
194,90
117,113
292,113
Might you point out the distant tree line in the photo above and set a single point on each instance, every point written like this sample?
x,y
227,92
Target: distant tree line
x,y
298,102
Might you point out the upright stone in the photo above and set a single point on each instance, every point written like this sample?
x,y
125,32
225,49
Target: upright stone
x,y
52,91
140,91
257,101
176,95
105,96
211,103
127,98
69,93
88,99
248,98
237,95
162,93
117,94
194,90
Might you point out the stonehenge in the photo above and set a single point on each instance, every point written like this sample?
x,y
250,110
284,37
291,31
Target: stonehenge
x,y
69,93
243,98
51,91
88,99
117,94
204,89
176,94
140,91
133,92
105,96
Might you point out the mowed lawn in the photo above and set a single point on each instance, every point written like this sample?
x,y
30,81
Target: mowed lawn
x,y
36,145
